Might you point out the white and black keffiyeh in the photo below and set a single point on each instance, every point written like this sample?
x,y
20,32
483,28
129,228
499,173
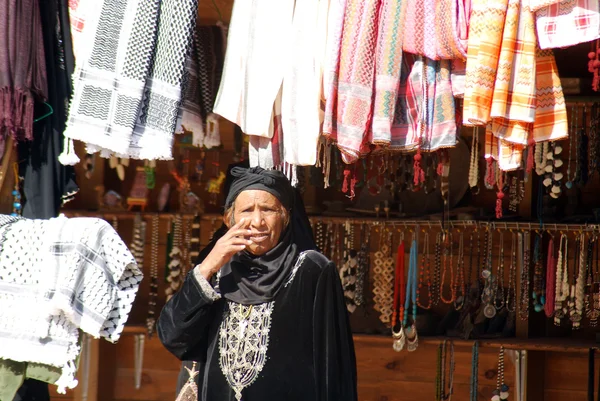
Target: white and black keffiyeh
x,y
58,276
127,88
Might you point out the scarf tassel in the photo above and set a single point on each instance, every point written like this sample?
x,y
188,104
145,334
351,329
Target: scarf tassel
x,y
68,157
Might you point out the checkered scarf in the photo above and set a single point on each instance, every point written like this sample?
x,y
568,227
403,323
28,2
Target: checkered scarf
x,y
127,87
568,23
58,276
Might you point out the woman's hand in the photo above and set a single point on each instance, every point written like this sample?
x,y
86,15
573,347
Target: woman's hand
x,y
234,241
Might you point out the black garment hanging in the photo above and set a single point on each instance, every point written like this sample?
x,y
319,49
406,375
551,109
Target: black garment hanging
x,y
47,183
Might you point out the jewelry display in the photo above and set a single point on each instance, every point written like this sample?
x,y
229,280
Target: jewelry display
x,y
589,263
153,296
383,278
572,283
398,317
446,393
550,280
501,391
425,274
474,383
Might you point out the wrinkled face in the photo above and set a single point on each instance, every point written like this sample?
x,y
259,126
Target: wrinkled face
x,y
265,217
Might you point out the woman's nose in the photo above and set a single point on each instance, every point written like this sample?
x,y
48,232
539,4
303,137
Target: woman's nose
x,y
257,218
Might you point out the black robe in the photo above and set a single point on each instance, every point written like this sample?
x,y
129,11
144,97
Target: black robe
x,y
310,354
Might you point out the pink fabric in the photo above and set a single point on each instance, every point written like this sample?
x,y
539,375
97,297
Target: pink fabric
x,y
568,23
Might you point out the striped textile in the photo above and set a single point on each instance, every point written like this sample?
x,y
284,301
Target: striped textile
x,y
485,38
568,23
387,69
508,155
355,82
551,112
535,5
437,110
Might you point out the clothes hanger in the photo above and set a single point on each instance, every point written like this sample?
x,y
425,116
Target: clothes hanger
x,y
48,114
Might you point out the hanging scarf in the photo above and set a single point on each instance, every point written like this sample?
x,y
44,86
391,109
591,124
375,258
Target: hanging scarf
x,y
485,37
425,99
142,46
568,23
387,69
248,279
22,66
353,108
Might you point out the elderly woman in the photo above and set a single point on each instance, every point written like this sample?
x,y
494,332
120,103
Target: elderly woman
x,y
263,316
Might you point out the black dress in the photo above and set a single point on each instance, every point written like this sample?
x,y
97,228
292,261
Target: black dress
x,y
309,354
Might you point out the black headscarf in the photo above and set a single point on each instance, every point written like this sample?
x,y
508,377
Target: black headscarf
x,y
250,279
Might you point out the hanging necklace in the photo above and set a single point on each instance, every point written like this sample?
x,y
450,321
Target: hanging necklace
x,y
538,294
579,285
363,265
474,372
459,281
594,310
412,338
139,239
425,274
437,269
447,259
498,280
439,372
398,315
383,277
525,257
501,392
581,170
550,280
175,266
446,395
587,306
487,295
561,282
151,319
572,134
511,293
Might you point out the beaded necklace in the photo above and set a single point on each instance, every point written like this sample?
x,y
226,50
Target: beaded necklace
x,y
561,282
498,281
572,134
487,295
437,269
400,305
577,316
446,395
447,260
594,310
412,339
550,280
538,284
501,391
525,257
425,274
474,162
363,265
474,372
589,278
511,294
153,297
459,294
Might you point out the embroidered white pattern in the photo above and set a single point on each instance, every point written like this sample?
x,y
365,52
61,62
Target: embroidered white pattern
x,y
207,289
299,262
243,343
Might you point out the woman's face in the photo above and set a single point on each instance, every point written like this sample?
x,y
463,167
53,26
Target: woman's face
x,y
264,216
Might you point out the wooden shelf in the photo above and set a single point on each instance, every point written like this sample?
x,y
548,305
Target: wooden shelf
x,y
532,344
